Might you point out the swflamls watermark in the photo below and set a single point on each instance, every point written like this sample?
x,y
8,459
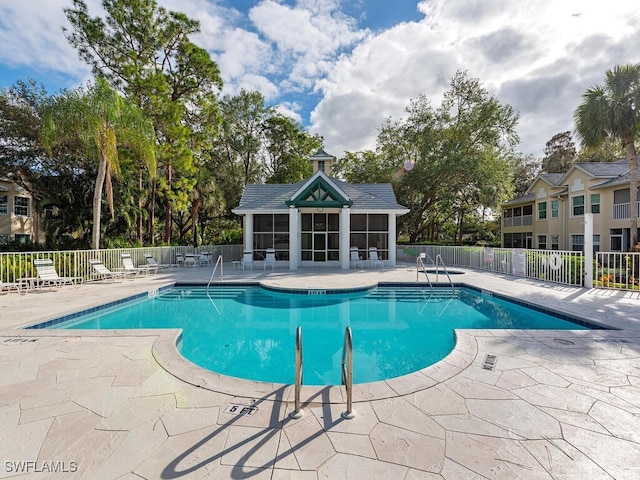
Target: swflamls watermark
x,y
40,466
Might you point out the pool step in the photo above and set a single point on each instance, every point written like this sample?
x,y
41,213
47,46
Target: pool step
x,y
196,293
416,295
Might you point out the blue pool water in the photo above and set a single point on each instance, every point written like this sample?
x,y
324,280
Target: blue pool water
x,y
249,332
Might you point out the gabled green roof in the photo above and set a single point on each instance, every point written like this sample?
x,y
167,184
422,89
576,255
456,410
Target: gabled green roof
x,y
319,192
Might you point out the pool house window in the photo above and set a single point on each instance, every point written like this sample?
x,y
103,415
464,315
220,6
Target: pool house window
x,y
320,237
271,231
370,230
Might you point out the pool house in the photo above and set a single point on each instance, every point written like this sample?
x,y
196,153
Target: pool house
x,y
317,222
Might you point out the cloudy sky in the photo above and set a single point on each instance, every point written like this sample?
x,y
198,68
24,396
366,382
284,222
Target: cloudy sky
x,y
342,67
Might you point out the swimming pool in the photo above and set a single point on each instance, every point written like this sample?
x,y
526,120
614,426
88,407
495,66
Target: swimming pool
x,y
249,331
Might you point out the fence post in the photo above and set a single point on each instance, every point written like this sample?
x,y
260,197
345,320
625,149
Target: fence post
x,y
588,250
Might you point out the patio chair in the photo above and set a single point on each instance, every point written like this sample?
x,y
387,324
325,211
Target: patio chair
x,y
8,286
160,266
130,268
374,260
270,258
47,274
103,273
355,258
247,260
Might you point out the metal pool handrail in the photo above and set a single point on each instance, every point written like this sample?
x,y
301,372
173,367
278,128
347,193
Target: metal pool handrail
x,y
297,412
347,372
219,261
420,262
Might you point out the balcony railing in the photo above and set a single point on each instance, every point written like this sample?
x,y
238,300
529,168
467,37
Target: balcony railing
x,y
621,210
522,221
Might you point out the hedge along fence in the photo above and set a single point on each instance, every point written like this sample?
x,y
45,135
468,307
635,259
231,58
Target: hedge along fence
x,y
76,263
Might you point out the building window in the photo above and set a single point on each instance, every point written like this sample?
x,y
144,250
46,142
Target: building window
x,y
595,203
555,242
22,238
542,242
577,243
4,238
4,205
577,206
596,243
271,231
518,216
368,231
21,206
615,239
517,240
542,211
555,208
321,165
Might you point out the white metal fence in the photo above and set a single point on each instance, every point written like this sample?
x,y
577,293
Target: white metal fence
x,y
617,270
75,263
564,267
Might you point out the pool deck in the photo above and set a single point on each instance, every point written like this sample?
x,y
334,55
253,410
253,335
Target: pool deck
x,y
125,405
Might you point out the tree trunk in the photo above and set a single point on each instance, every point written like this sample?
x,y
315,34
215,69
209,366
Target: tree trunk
x,y
139,214
168,212
633,190
152,214
195,213
97,202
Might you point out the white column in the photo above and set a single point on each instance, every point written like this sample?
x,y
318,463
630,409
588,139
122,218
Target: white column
x,y
248,232
588,250
294,238
392,239
345,237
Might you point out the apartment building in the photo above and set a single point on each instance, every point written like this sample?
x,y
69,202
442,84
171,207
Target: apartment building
x,y
18,221
550,216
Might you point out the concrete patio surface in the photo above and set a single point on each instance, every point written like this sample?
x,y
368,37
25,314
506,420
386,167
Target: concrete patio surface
x,y
125,405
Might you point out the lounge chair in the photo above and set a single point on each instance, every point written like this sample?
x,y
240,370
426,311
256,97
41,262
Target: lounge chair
x,y
130,268
47,274
355,258
247,260
270,258
103,273
374,259
160,266
8,286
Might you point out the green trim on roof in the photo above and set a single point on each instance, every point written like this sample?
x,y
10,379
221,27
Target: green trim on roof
x,y
319,193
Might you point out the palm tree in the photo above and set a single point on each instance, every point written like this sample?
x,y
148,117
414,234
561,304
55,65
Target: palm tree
x,y
102,121
610,111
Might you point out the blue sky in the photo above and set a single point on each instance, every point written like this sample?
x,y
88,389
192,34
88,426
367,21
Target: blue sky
x,y
342,67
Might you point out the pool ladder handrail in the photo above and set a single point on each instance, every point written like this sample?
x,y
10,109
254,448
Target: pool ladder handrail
x,y
347,372
297,412
220,262
420,261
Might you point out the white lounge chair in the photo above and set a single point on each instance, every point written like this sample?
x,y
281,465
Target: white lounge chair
x,y
247,260
8,286
130,268
103,273
355,258
48,276
270,258
160,266
374,260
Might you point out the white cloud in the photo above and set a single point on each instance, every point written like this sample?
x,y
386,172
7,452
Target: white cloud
x,y
539,56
